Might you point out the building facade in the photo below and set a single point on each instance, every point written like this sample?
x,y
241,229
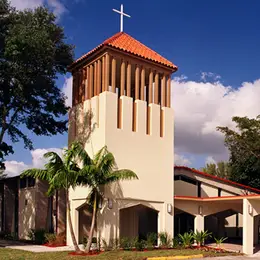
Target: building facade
x,y
121,99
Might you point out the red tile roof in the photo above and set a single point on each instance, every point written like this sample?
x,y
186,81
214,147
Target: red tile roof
x,y
125,42
217,178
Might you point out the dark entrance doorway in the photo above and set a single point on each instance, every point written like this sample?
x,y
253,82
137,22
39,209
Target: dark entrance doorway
x,y
85,217
138,221
183,222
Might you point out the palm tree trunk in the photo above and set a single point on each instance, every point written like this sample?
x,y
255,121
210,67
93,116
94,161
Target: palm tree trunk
x,y
91,232
70,225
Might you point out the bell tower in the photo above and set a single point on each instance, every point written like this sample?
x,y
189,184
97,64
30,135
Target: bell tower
x,y
122,99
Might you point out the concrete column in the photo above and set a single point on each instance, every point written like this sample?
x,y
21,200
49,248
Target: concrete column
x,y
163,86
137,81
128,86
113,75
99,77
122,79
199,223
142,83
248,228
150,97
168,95
156,89
107,74
83,85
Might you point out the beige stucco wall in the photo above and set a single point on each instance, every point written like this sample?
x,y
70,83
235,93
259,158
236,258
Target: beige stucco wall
x,y
208,191
182,188
150,156
26,212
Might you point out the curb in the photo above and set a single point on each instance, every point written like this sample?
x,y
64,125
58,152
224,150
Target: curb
x,y
175,257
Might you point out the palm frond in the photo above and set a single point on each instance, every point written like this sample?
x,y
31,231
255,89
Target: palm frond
x,y
36,174
80,152
121,175
106,164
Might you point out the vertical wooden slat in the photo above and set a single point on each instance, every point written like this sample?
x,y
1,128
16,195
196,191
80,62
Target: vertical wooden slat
x,y
156,89
95,78
74,85
98,77
107,78
169,91
122,78
91,86
163,91
87,85
83,84
142,83
103,73
137,82
128,87
150,98
113,75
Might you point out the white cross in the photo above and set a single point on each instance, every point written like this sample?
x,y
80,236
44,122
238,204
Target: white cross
x,y
122,14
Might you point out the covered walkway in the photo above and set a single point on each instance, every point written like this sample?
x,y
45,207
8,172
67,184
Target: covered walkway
x,y
219,208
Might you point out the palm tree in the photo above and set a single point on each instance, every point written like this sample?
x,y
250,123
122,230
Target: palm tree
x,y
60,173
96,173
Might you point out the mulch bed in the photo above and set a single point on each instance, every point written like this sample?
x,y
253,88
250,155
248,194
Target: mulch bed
x,y
91,253
58,245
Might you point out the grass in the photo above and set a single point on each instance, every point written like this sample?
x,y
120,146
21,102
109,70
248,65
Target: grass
x,y
8,254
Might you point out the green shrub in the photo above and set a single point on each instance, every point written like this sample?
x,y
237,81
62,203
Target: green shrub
x,y
165,239
114,244
175,242
151,240
37,235
141,245
85,241
125,243
51,238
220,240
201,236
186,239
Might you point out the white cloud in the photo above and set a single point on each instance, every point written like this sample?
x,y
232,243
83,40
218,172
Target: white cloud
x,y
210,160
206,76
56,6
181,160
14,168
67,90
202,106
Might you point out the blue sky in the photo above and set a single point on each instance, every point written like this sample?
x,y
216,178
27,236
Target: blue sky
x,y
215,44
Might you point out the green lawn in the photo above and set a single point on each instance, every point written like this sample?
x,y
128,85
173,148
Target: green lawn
x,y
8,254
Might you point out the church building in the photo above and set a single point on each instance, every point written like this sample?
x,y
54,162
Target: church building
x,y
122,99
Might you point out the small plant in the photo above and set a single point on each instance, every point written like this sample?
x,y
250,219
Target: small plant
x,y
125,243
114,243
165,240
85,242
220,241
151,240
141,245
201,236
175,242
186,239
105,246
37,235
51,238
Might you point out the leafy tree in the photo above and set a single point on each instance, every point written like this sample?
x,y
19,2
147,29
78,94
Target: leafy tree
x,y
244,148
60,173
32,53
96,173
221,169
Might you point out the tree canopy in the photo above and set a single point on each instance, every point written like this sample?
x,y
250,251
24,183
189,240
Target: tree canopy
x,y
33,52
221,169
244,147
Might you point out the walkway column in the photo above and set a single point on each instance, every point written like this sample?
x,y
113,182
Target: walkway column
x,y
198,223
150,98
168,95
107,73
99,90
163,86
91,75
248,228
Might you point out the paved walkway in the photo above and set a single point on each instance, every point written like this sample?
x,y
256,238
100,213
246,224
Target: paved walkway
x,y
33,248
